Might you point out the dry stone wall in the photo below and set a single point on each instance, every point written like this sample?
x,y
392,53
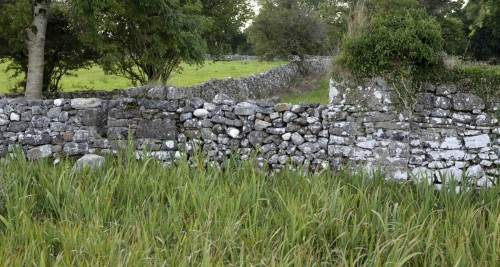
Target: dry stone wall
x,y
262,85
450,133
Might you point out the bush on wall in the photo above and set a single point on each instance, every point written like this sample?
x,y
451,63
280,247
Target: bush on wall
x,y
401,43
400,46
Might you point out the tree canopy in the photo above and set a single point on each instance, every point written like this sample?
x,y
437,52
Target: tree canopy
x,y
286,28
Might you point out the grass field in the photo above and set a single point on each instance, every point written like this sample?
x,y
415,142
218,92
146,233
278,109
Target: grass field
x,y
94,78
140,213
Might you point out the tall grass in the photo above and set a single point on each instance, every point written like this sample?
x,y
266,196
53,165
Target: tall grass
x,y
140,213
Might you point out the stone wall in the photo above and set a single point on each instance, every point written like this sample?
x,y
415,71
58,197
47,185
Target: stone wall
x,y
450,133
262,85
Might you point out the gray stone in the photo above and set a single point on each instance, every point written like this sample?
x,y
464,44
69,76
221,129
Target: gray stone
x,y
467,102
82,103
186,116
474,172
54,112
309,148
233,132
157,129
72,148
158,92
89,161
40,122
222,120
289,116
451,143
478,141
91,117
261,125
245,109
445,90
176,93
26,116
277,131
166,105
17,126
207,134
256,138
442,102
37,139
224,99
39,152
297,139
201,113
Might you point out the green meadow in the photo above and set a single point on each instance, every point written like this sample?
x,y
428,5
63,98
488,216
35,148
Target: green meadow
x,y
94,78
141,213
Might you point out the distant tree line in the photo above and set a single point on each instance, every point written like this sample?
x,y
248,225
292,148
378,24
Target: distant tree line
x,y
299,27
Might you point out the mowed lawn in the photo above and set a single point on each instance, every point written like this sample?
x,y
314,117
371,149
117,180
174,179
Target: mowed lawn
x,y
95,79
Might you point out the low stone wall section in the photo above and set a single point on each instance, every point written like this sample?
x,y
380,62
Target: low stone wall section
x,y
267,84
451,132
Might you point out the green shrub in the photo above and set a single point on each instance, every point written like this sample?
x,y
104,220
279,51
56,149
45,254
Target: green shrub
x,y
401,43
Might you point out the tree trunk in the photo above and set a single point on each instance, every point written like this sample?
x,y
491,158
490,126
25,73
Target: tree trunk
x,y
36,49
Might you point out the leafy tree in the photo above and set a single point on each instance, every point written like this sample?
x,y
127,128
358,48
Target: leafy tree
x,y
284,28
145,40
64,49
226,19
483,17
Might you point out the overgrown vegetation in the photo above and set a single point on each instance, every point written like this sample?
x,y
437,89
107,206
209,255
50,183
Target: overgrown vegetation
x,y
138,213
404,45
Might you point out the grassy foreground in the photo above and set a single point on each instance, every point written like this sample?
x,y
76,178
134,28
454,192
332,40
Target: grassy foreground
x,y
95,79
139,213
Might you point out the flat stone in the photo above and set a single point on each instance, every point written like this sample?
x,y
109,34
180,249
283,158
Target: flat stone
x,y
467,102
157,129
17,126
478,141
90,117
222,120
224,99
201,113
72,148
261,125
89,161
245,109
37,139
367,144
82,103
279,131
39,152
451,143
281,107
